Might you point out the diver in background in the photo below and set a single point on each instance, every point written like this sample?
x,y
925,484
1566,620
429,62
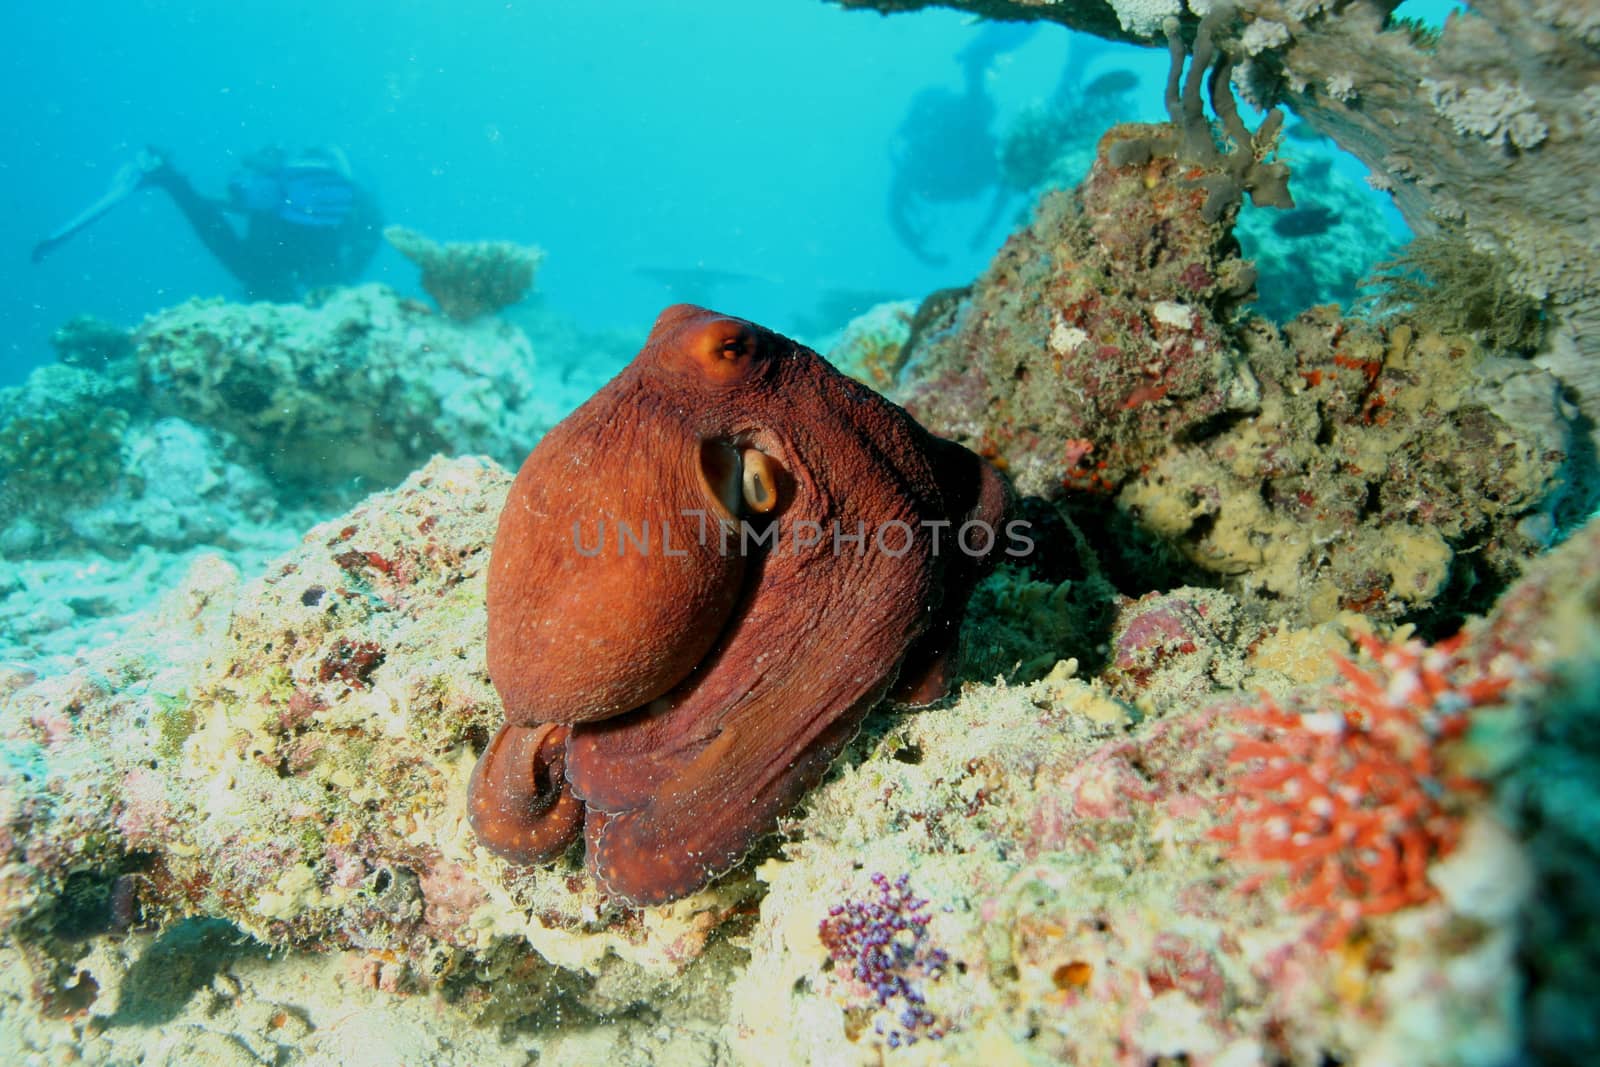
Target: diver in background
x,y
945,150
304,221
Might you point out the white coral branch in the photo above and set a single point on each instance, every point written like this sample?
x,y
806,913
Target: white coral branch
x,y
1502,114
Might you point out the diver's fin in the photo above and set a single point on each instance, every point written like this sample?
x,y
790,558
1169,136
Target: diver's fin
x,y
129,177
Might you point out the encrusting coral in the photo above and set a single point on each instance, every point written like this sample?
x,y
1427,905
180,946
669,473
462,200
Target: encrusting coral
x,y
1327,465
469,279
291,754
1486,125
357,384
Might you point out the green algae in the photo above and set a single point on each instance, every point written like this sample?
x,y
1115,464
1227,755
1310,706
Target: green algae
x,y
175,719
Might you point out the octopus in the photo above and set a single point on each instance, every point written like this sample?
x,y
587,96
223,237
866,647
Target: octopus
x,y
702,581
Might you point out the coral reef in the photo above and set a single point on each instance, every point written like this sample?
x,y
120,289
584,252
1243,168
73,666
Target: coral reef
x,y
469,279
1028,870
291,756
361,385
1280,748
1451,116
1319,254
1088,913
91,343
1125,328
1329,465
226,427
1488,125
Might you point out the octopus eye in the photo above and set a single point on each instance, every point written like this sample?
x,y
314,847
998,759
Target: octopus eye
x,y
732,476
759,480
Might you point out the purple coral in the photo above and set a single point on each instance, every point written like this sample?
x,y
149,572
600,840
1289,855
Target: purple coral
x,y
883,942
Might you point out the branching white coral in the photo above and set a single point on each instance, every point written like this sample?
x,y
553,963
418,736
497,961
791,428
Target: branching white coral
x,y
1500,114
1577,16
1341,87
1263,34
1305,9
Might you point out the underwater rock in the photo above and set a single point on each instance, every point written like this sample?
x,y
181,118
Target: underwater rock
x,y
291,755
1333,465
1488,124
361,385
469,279
91,343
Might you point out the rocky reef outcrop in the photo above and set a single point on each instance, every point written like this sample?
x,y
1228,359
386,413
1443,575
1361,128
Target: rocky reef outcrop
x,y
1329,464
1484,129
233,427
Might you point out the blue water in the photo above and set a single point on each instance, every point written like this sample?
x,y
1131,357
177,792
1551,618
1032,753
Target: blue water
x,y
747,138
654,136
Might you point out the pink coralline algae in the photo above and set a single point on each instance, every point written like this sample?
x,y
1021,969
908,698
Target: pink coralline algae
x,y
1174,646
882,942
1358,795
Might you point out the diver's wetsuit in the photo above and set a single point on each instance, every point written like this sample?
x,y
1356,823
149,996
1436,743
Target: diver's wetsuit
x,y
277,257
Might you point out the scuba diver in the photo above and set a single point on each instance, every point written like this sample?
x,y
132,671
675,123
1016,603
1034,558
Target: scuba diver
x,y
944,150
305,222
